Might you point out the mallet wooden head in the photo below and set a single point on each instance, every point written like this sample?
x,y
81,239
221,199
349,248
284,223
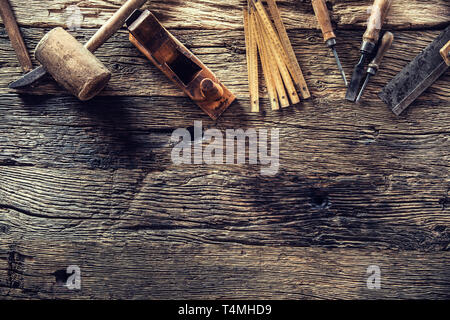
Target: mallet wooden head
x,y
71,64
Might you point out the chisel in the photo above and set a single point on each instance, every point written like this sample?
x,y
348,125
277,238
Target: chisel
x,y
323,16
386,43
379,12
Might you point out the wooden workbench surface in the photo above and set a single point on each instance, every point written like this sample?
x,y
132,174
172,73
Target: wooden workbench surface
x,y
92,184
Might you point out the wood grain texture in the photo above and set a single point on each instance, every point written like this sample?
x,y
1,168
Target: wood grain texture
x,y
93,184
213,15
208,271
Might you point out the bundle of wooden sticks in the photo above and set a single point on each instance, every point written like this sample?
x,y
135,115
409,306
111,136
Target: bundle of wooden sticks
x,y
266,34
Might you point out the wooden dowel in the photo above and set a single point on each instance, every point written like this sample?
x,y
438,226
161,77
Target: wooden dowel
x,y
15,36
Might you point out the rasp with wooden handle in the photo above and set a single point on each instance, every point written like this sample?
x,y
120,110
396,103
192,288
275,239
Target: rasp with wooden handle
x,y
99,38
379,11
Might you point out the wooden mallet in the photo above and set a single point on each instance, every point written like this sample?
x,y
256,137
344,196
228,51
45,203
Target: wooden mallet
x,y
73,65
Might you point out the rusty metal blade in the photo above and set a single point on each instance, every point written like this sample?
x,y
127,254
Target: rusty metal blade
x,y
417,76
29,78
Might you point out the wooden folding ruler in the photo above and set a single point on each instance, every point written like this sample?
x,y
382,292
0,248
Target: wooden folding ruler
x,y
280,66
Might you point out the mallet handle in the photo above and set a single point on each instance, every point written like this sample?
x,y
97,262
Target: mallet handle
x,y
14,34
113,24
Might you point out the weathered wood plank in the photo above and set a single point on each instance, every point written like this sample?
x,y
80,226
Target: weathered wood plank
x,y
93,184
135,133
362,150
36,269
220,15
406,211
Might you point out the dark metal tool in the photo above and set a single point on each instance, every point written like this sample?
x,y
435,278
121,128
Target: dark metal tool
x,y
323,16
386,43
14,34
100,37
379,12
418,75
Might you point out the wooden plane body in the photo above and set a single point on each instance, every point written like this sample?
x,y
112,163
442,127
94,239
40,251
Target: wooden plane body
x,y
178,64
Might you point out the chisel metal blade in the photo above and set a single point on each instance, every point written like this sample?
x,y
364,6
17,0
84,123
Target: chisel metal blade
x,y
357,77
29,78
417,76
366,82
338,62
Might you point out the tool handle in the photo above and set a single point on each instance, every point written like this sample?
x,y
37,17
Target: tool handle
x,y
14,34
323,16
379,11
385,45
445,53
113,24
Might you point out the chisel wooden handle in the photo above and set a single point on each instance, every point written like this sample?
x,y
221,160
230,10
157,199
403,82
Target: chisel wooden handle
x,y
323,16
385,45
445,53
113,24
379,11
14,34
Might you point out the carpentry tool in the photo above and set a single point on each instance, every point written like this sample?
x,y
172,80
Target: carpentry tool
x,y
274,82
379,12
386,43
178,63
14,35
293,64
323,16
252,58
276,54
71,65
280,67
418,75
278,44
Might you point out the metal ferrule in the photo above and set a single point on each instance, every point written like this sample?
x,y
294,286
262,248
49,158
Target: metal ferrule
x,y
331,42
367,47
373,71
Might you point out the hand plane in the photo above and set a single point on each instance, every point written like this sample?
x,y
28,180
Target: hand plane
x,y
178,63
